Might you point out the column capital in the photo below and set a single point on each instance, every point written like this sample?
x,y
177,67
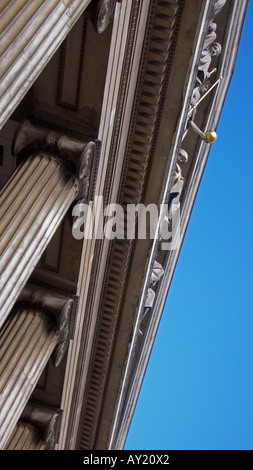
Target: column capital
x,y
46,421
61,309
103,14
76,155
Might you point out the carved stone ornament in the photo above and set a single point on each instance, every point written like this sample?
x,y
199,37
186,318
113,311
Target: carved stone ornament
x,y
217,7
183,156
150,298
103,15
211,50
177,174
77,156
157,272
64,332
61,310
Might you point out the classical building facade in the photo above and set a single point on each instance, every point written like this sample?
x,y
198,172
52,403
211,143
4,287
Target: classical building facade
x,y
105,105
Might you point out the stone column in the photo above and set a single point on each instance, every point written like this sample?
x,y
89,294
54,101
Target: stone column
x,y
55,171
34,331
30,34
25,437
36,430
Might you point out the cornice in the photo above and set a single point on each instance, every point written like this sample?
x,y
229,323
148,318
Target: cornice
x,y
141,345
120,67
130,156
154,69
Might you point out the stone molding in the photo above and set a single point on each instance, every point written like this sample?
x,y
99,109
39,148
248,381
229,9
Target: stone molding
x,y
156,60
141,345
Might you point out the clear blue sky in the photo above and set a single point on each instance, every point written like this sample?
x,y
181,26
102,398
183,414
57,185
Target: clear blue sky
x,y
198,389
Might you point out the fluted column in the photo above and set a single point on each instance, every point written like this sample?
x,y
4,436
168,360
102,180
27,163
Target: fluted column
x,y
36,430
34,201
30,33
25,437
29,337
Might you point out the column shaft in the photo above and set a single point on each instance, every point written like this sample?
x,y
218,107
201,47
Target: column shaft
x,y
32,204
27,340
25,437
30,33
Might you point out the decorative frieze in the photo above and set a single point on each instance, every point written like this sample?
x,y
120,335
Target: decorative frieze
x,y
178,192
210,51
